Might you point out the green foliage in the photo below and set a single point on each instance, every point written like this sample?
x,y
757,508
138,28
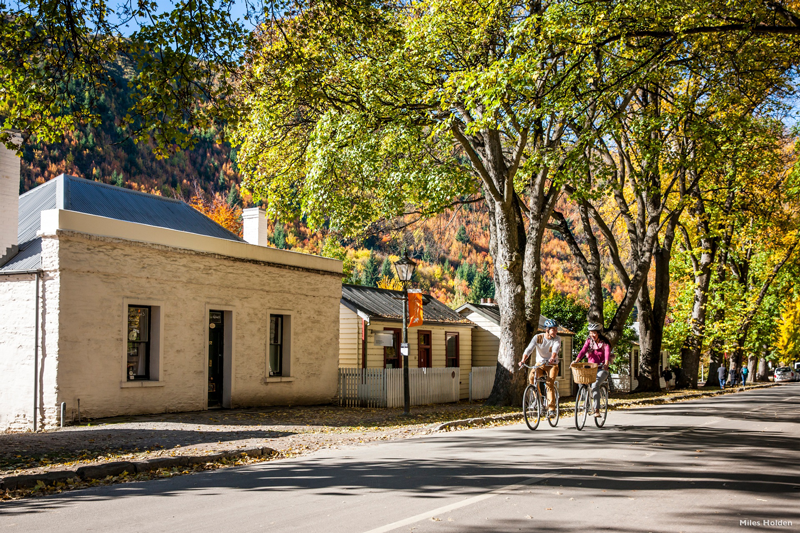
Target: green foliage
x,y
467,272
462,236
279,236
102,152
482,286
234,200
370,275
386,269
332,248
60,57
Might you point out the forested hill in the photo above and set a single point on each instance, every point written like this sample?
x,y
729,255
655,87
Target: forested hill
x,y
452,249
104,153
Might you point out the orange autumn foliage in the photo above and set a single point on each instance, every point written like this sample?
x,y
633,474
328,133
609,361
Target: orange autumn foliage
x,y
220,212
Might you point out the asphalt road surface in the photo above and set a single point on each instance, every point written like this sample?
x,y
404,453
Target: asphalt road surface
x,y
730,463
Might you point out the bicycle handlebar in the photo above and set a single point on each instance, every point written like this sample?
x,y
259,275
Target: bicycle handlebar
x,y
539,366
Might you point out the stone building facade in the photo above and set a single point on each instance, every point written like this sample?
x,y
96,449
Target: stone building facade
x,y
136,318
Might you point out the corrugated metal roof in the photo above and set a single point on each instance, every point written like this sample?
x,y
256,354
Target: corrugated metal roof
x,y
95,198
31,205
29,257
388,304
492,313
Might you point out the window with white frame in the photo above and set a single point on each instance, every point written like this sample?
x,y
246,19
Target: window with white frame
x,y
142,342
138,342
278,345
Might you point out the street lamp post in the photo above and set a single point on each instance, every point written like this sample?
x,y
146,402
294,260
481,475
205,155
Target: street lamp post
x,y
405,270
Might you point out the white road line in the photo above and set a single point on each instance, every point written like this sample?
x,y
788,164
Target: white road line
x,y
463,503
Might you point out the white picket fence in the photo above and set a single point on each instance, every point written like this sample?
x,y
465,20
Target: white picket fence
x,y
378,387
481,380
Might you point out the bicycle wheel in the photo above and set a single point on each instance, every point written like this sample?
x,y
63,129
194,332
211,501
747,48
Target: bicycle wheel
x,y
531,407
600,421
553,421
581,407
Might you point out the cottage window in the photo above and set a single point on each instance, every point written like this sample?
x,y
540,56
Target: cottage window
x,y
451,350
276,345
391,354
138,342
424,352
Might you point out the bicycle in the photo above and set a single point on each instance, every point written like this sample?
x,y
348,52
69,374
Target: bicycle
x,y
533,400
585,374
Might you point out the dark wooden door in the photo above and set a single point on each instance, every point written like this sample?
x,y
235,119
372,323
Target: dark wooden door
x,y
216,348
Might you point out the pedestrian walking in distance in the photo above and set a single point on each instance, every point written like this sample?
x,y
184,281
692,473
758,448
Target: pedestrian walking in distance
x,y
732,376
745,371
722,372
667,377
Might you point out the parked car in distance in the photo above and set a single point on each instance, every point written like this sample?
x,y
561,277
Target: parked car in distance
x,y
784,373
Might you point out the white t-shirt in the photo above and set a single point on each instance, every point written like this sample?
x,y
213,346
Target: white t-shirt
x,y
545,348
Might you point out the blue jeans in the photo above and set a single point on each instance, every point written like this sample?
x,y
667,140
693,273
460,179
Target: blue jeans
x,y
722,383
744,380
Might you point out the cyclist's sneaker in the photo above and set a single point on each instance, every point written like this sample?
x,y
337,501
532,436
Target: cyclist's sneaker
x,y
551,414
597,413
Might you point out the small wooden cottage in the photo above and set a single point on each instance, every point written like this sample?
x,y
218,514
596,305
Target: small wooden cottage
x,y
486,344
370,334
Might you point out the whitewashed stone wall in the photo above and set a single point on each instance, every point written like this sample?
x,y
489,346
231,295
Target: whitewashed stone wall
x,y
98,274
17,315
17,335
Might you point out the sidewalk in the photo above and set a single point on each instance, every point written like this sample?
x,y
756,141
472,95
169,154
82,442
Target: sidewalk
x,y
144,447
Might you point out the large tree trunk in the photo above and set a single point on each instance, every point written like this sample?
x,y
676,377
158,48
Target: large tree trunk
x,y
693,344
652,315
751,368
649,348
507,245
762,374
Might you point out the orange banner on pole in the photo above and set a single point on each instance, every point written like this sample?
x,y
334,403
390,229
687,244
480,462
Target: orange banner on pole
x,y
414,309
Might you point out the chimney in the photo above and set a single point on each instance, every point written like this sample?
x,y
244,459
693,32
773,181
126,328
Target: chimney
x,y
488,301
9,204
254,226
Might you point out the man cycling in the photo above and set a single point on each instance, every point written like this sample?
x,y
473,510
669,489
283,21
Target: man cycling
x,y
547,346
596,349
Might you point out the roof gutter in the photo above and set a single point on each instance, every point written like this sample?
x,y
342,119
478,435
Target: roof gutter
x,y
18,272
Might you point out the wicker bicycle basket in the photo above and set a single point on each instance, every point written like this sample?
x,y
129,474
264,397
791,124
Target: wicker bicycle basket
x,y
584,373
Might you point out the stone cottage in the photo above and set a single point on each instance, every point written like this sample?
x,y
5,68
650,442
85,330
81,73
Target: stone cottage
x,y
115,302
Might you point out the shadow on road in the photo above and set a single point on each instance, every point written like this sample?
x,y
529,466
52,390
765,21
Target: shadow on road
x,y
439,477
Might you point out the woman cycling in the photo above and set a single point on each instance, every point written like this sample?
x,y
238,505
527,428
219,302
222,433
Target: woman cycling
x,y
597,349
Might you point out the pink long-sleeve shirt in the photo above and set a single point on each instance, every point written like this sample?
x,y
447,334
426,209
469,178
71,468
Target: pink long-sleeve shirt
x,y
596,352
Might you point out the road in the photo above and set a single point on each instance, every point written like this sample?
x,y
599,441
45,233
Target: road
x,y
702,466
